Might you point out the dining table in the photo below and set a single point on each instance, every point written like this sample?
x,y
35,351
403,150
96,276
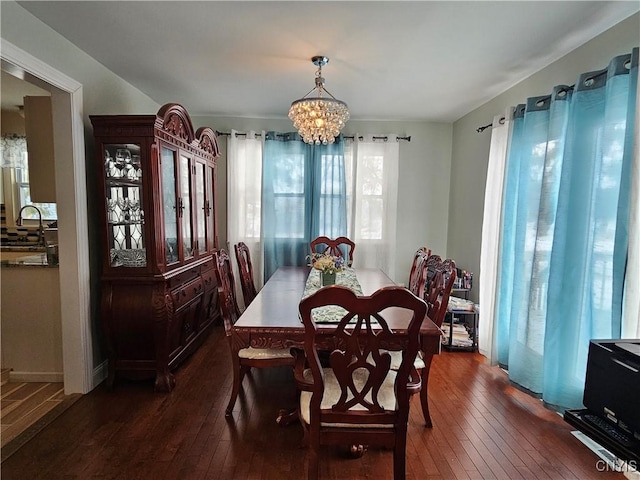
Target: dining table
x,y
272,319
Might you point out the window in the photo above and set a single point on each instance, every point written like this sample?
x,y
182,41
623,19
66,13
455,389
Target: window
x,y
15,174
372,195
49,211
289,197
370,207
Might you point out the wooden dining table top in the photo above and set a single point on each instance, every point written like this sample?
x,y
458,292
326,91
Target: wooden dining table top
x,y
274,311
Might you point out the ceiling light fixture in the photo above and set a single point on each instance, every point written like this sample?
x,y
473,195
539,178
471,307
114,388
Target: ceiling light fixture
x,y
319,119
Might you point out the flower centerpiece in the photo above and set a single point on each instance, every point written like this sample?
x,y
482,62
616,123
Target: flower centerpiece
x,y
328,265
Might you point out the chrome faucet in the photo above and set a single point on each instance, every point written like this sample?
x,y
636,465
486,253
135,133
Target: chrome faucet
x,y
40,226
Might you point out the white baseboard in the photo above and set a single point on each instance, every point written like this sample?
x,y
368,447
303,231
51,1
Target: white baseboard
x,y
609,462
99,374
53,377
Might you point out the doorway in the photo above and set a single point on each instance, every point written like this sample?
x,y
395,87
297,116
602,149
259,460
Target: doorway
x,y
79,373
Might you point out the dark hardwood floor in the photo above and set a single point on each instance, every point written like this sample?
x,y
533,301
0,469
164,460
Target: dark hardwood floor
x,y
483,428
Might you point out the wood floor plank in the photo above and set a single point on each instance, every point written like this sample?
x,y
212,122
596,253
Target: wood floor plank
x,y
44,394
11,430
7,388
25,391
484,428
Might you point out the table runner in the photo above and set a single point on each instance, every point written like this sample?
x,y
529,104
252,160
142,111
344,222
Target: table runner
x,y
331,314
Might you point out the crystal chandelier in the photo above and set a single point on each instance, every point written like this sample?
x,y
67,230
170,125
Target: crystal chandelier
x,y
319,119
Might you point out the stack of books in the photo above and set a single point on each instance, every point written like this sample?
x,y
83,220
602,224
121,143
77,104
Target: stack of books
x,y
459,335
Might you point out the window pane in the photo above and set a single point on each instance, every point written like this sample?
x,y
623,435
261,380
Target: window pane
x,y
252,220
289,217
371,174
290,175
371,218
331,181
49,210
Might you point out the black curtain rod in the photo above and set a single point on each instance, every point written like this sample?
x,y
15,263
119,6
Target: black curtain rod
x,y
482,129
560,89
242,134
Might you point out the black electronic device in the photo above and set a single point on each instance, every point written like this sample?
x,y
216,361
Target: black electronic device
x,y
612,397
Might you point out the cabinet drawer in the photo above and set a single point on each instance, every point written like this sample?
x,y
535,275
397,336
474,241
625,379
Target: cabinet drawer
x,y
186,293
209,280
184,277
208,265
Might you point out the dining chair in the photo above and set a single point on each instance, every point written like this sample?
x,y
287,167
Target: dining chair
x,y
333,247
357,398
418,272
433,279
441,276
242,359
245,269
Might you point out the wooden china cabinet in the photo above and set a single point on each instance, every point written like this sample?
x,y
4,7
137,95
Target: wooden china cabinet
x,y
157,182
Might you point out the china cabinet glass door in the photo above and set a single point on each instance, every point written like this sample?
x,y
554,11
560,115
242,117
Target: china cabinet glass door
x,y
201,227
169,200
124,204
210,207
184,207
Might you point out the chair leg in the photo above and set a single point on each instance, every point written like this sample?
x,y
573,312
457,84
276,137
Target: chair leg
x,y
313,471
357,451
306,438
424,398
238,375
399,459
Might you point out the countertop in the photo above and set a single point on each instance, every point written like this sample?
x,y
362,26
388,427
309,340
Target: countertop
x,y
24,259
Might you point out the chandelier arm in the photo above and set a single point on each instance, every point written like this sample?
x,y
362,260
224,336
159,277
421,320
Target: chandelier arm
x,y
308,93
328,93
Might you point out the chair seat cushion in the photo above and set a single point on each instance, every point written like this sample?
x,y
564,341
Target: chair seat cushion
x,y
264,353
396,360
386,397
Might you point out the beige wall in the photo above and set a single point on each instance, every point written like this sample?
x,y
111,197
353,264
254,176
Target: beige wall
x,y
11,123
423,177
471,149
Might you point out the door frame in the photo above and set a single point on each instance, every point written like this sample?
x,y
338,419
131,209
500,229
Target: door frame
x,y
71,199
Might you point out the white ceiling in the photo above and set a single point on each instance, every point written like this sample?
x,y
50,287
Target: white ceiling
x,y
417,60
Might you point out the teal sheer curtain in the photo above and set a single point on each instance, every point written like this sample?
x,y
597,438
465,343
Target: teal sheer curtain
x,y
564,232
303,196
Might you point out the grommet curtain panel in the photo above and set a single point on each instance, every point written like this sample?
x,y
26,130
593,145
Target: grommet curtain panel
x,y
491,223
303,197
372,174
564,231
350,188
244,192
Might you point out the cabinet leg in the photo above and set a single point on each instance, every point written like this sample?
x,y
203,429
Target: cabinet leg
x,y
165,381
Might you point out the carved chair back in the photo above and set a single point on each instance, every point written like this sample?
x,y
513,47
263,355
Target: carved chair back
x,y
245,269
359,398
418,273
334,247
440,278
226,291
450,273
